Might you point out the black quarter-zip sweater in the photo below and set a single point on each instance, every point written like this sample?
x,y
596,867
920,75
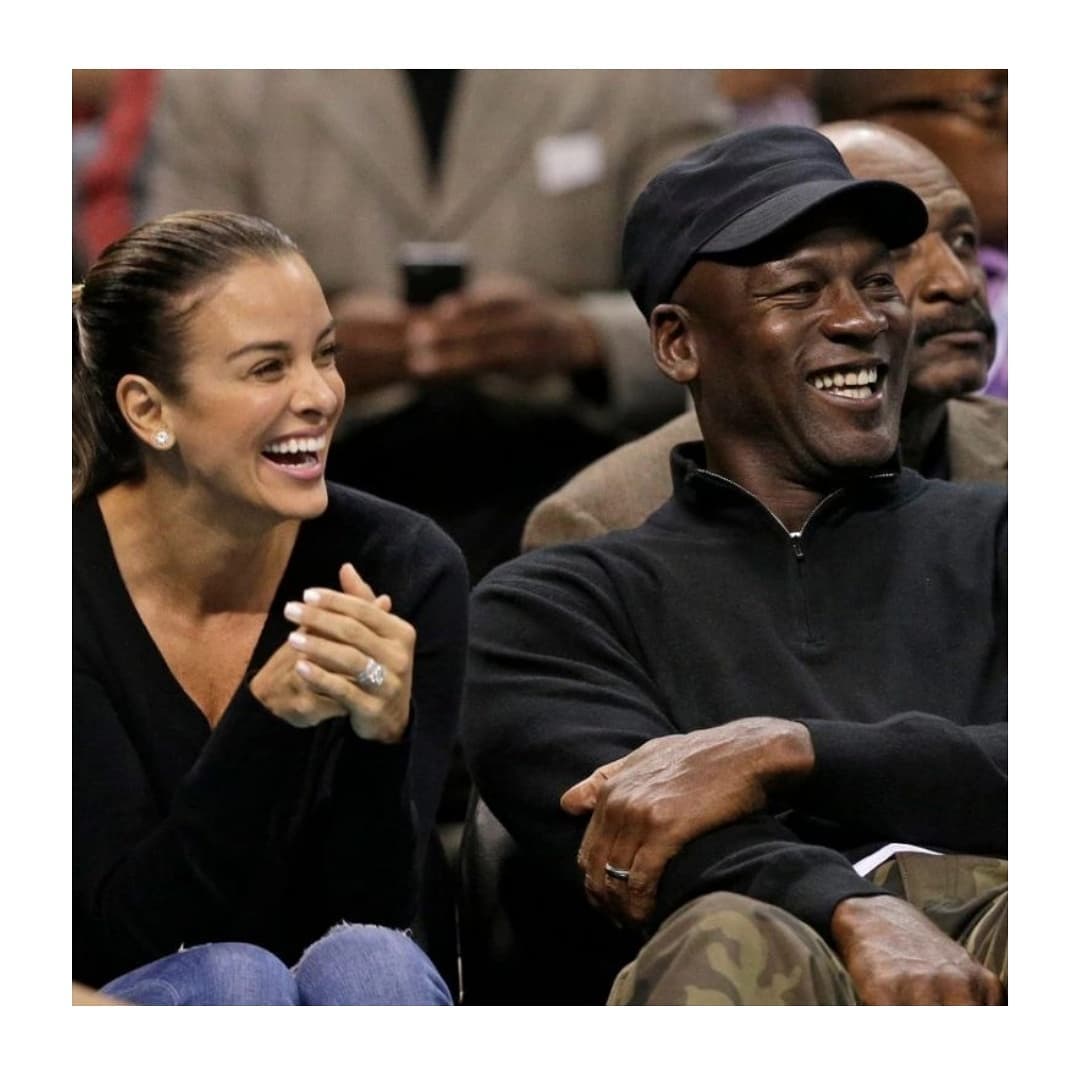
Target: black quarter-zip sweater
x,y
881,626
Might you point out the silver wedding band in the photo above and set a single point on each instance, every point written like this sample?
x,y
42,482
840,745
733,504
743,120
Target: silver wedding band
x,y
372,677
616,873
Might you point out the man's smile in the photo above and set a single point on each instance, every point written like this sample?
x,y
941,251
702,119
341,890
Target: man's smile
x,y
855,382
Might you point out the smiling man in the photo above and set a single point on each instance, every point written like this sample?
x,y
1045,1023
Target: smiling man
x,y
948,430
962,116
720,724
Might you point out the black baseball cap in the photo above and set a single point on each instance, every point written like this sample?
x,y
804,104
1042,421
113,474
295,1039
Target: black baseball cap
x,y
738,191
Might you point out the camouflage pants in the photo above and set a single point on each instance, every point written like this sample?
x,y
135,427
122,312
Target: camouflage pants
x,y
725,949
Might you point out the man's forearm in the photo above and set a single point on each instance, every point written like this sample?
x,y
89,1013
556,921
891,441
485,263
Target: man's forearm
x,y
914,777
761,858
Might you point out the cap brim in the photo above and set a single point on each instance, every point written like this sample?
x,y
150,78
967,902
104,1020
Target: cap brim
x,y
893,212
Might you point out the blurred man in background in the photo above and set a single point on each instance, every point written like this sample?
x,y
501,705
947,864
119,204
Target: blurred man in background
x,y
962,115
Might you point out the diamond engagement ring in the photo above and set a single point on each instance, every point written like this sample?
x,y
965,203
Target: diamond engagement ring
x,y
616,873
372,677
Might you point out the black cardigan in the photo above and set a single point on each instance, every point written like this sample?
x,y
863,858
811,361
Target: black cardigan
x,y
882,626
253,831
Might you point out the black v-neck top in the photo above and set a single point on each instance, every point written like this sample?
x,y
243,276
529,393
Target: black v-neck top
x,y
253,830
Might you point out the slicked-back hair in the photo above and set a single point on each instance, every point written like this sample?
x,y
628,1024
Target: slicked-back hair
x,y
128,317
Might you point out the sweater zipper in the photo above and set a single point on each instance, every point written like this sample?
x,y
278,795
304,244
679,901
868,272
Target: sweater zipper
x,y
800,562
796,537
796,540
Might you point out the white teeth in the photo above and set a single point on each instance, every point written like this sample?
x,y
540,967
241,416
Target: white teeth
x,y
297,446
840,381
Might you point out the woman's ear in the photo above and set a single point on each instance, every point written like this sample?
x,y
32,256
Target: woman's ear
x,y
141,404
674,348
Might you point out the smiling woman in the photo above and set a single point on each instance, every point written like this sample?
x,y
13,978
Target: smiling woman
x,y
267,668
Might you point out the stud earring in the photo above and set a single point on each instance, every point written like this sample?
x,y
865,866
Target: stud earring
x,y
163,439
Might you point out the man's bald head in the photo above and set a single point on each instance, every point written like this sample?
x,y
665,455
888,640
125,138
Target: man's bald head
x,y
939,274
880,152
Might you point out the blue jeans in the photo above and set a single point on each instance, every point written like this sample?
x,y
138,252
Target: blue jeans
x,y
350,965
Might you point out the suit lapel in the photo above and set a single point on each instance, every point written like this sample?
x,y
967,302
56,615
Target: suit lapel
x,y
978,439
492,124
370,115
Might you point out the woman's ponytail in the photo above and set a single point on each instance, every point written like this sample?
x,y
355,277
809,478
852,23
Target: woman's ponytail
x,y
86,408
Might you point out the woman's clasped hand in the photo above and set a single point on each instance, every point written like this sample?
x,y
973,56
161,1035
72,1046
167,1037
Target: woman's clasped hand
x,y
349,656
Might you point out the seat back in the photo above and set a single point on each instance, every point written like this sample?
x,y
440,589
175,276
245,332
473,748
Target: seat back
x,y
526,938
434,926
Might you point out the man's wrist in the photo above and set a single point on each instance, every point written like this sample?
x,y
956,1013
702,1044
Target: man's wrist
x,y
795,749
790,760
778,753
855,917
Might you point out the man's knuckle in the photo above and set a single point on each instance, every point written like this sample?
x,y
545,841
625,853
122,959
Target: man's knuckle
x,y
657,816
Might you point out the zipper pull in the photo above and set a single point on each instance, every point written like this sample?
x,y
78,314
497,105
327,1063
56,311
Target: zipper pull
x,y
795,538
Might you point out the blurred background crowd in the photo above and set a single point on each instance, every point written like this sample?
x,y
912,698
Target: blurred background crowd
x,y
506,357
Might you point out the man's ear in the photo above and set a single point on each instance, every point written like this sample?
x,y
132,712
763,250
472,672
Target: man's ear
x,y
143,407
674,348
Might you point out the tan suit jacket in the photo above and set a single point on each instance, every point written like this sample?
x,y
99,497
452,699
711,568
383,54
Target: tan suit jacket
x,y
538,171
621,489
